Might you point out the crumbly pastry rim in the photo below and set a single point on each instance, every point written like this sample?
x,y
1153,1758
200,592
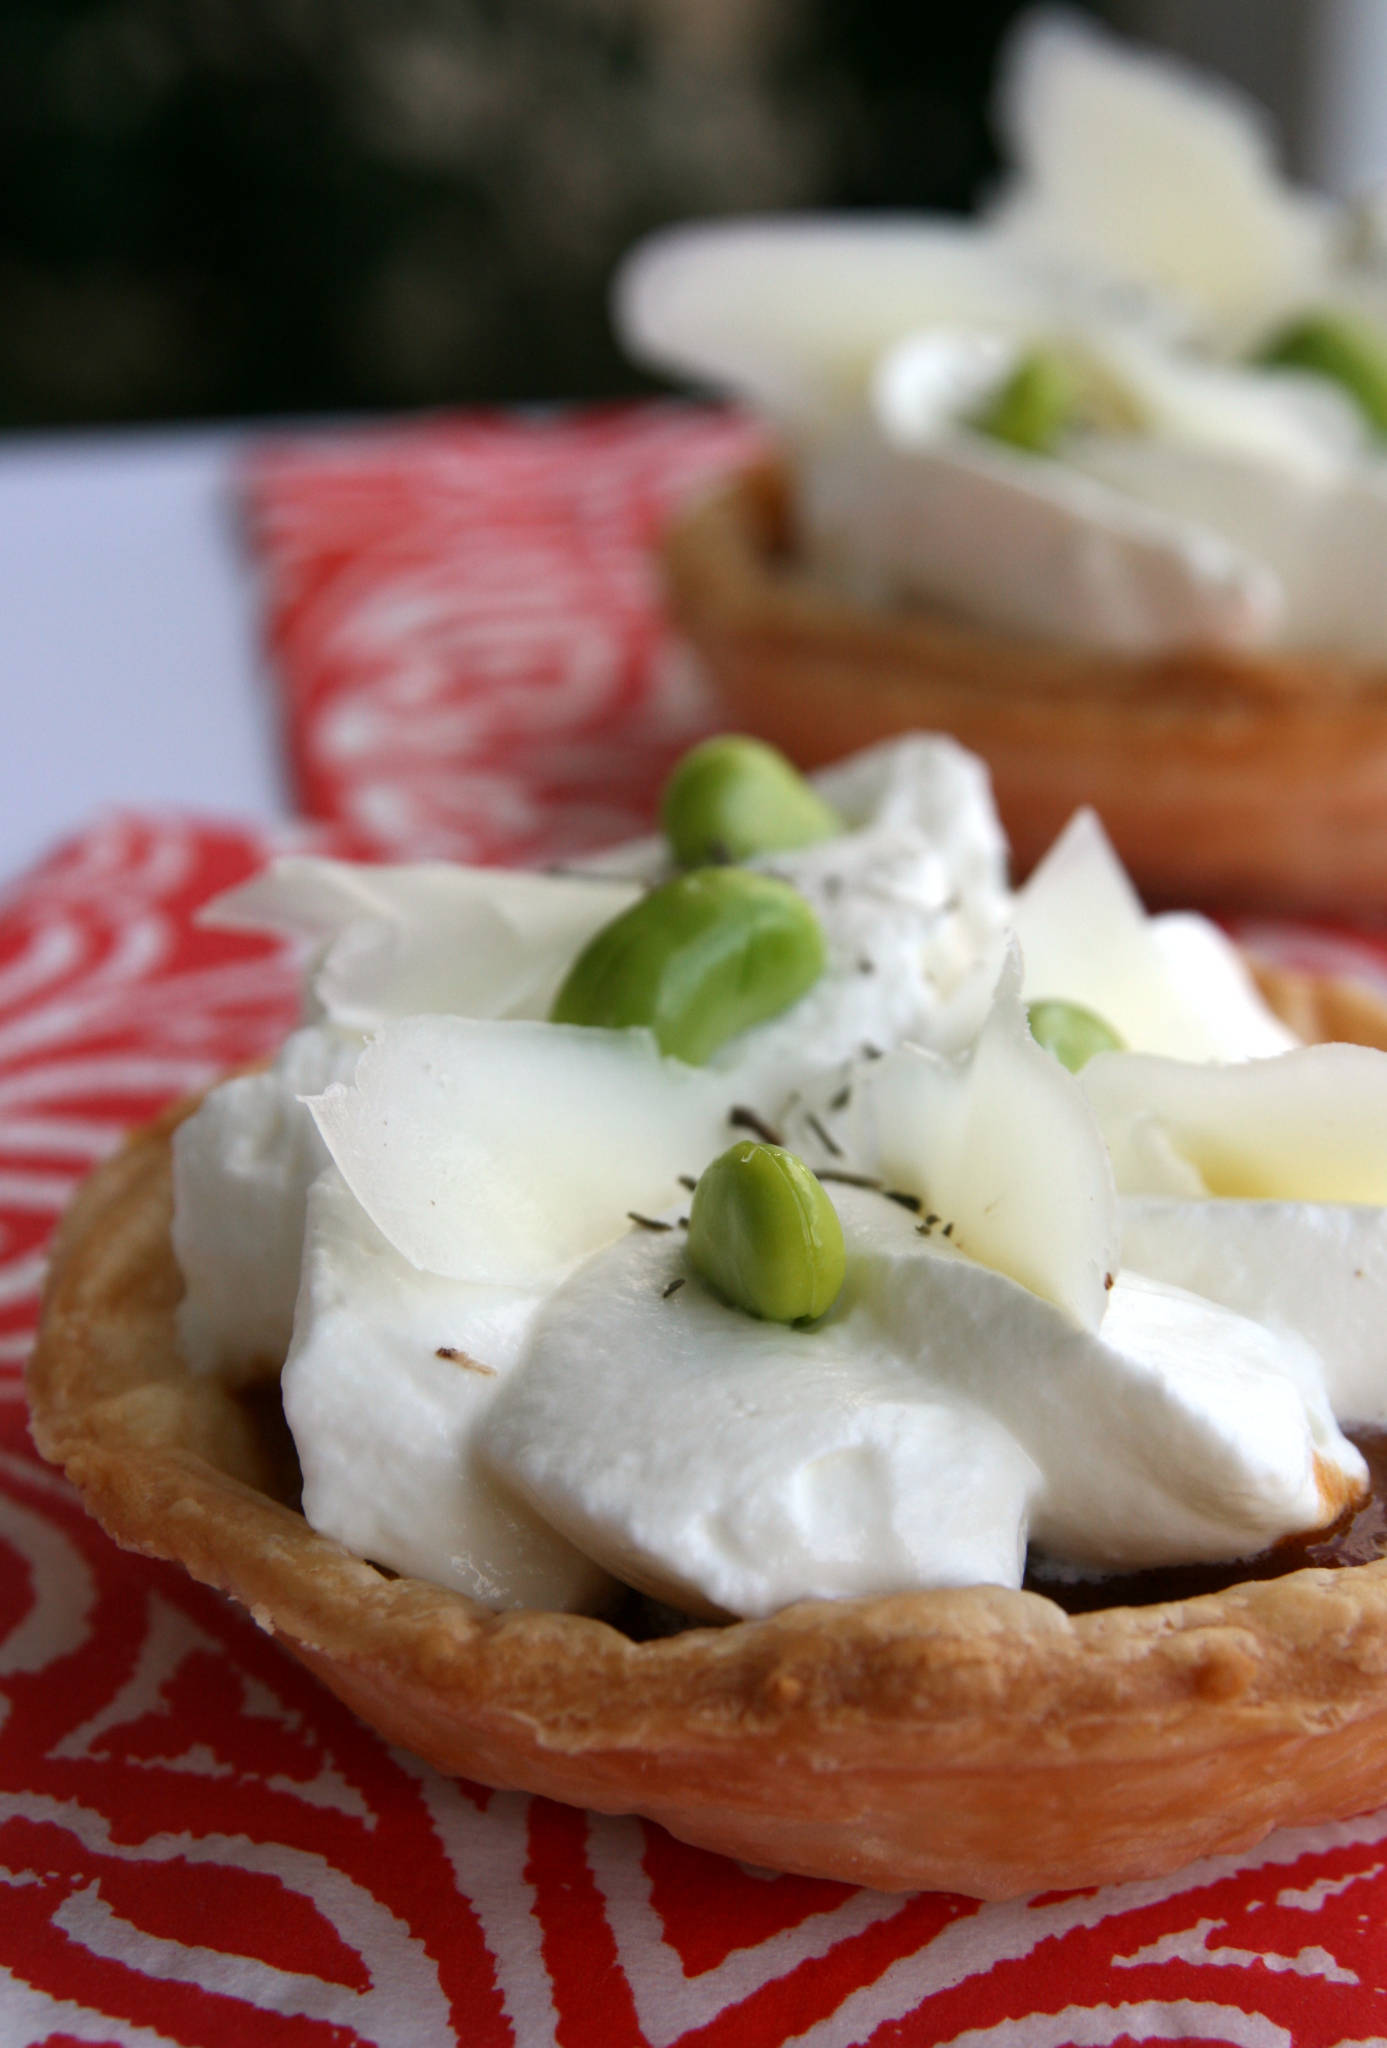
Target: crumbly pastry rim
x,y
977,1740
1262,777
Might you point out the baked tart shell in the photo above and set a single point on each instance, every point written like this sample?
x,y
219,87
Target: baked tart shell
x,y
1255,779
980,1741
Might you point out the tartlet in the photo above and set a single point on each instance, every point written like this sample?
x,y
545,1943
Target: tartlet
x,y
979,1741
1236,778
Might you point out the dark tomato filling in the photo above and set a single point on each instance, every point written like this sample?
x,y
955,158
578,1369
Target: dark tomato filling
x,y
1357,1537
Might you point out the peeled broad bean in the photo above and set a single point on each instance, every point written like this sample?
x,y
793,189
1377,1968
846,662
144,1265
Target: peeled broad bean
x,y
733,797
765,1236
1072,1033
1338,346
696,961
1034,405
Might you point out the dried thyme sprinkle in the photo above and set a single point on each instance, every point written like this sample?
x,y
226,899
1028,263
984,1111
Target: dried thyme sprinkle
x,y
456,1357
849,1180
931,1219
907,1201
948,1230
648,1222
870,1051
825,1138
1109,1281
568,868
866,966
686,1180
743,1119
843,1097
673,1288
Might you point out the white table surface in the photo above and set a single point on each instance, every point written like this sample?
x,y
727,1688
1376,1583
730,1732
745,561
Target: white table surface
x,y
130,669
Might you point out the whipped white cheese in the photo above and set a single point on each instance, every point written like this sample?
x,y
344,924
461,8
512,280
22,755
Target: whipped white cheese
x,y
940,1416
733,1466
504,1375
913,903
1025,546
1318,1269
387,1377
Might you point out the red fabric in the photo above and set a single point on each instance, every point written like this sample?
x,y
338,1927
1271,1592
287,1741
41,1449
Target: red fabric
x,y
466,624
197,1844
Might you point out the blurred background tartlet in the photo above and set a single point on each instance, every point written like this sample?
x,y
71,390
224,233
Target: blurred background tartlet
x,y
1095,482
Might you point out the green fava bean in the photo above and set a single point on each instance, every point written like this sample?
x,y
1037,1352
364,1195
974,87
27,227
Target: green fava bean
x,y
1072,1033
696,961
733,797
1340,347
1033,406
765,1236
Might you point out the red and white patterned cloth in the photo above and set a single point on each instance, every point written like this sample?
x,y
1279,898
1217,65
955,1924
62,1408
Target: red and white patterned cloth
x,y
465,624
197,1844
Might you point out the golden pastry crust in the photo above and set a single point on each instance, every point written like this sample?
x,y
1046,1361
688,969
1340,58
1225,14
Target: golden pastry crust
x,y
1251,779
979,1741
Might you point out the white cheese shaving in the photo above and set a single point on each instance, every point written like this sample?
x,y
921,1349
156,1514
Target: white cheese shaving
x,y
794,313
1306,1126
1171,984
399,941
1143,169
500,1151
242,1165
1003,1147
